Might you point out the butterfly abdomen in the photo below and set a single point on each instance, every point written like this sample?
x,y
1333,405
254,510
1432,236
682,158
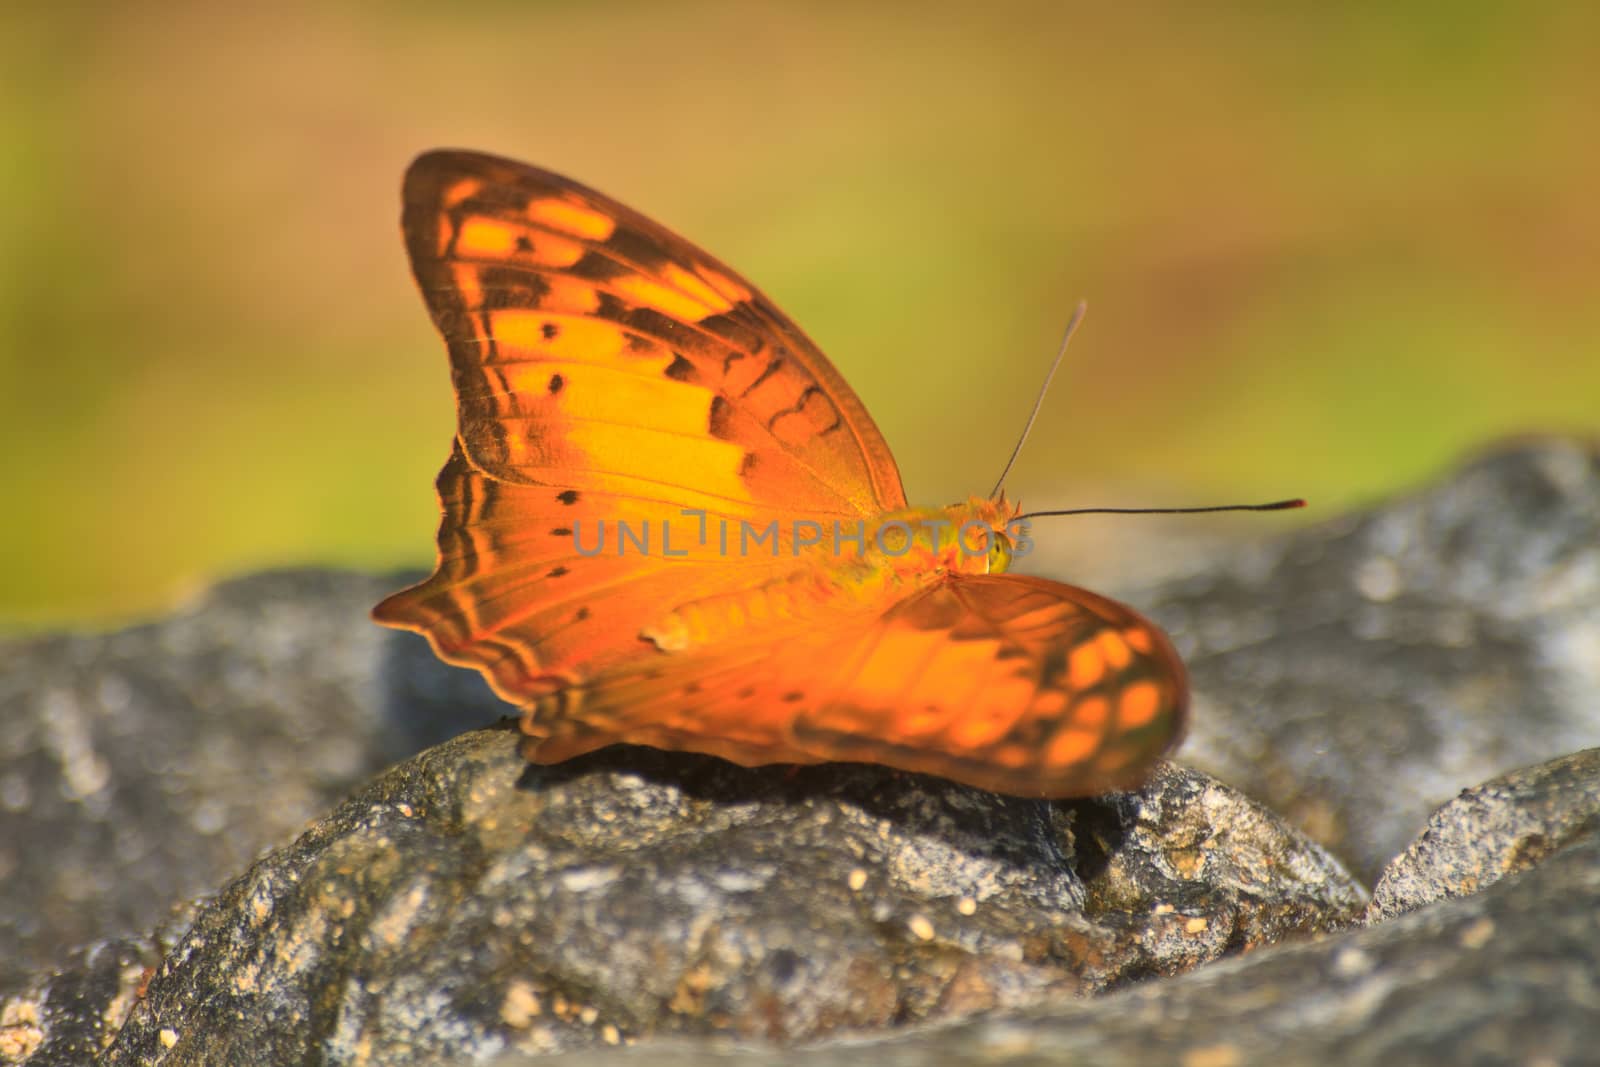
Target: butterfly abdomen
x,y
903,550
806,593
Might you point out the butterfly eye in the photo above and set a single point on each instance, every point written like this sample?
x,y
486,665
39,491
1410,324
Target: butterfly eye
x,y
999,553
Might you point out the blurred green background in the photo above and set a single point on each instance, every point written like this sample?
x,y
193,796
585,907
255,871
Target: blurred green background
x,y
1328,251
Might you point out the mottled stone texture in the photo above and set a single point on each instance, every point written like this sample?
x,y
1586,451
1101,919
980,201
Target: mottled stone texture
x,y
465,903
1355,675
1496,829
1510,976
143,766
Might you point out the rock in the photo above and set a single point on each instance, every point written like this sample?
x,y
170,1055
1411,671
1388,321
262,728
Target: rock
x,y
461,905
1356,674
1493,830
68,1018
1511,975
141,767
465,903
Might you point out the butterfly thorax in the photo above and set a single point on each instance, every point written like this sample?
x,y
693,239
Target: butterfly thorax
x,y
848,564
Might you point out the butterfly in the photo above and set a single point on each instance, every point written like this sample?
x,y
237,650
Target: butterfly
x,y
669,521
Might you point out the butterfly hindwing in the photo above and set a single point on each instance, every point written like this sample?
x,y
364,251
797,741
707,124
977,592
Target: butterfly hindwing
x,y
1017,684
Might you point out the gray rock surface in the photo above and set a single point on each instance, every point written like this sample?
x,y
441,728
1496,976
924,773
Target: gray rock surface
x,y
68,1018
1493,830
140,767
465,903
1509,976
1356,674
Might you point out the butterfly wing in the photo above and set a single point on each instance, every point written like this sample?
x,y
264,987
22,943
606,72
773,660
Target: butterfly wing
x,y
590,344
537,587
1016,684
605,370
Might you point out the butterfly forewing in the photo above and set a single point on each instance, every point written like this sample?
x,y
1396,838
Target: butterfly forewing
x,y
594,348
607,373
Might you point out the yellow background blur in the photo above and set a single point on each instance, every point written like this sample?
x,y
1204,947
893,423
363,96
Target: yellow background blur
x,y
1326,251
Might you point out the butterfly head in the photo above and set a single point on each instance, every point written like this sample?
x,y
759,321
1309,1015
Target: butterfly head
x,y
976,536
986,535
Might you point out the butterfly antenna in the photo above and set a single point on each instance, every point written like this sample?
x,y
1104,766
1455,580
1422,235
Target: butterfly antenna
x,y
1038,402
1276,505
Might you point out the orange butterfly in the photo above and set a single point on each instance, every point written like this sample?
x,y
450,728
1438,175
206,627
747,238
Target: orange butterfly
x,y
633,418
